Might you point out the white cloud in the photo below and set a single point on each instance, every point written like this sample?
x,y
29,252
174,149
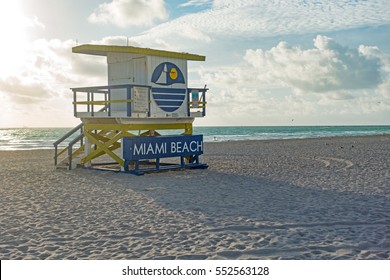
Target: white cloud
x,y
174,35
125,13
195,3
25,91
116,40
384,89
49,69
257,19
326,82
33,22
38,93
268,18
329,67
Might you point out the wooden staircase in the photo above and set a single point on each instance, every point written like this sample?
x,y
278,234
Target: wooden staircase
x,y
70,156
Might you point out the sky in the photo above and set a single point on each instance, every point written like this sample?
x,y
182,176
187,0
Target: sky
x,y
274,62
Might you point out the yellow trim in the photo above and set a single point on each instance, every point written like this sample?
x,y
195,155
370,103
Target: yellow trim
x,y
63,151
77,151
126,127
188,129
103,50
203,105
128,134
201,102
150,133
102,102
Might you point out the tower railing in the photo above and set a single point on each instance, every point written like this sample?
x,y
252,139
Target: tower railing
x,y
197,102
89,101
98,97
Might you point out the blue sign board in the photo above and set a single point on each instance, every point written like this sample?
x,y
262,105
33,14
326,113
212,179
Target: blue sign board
x,y
137,148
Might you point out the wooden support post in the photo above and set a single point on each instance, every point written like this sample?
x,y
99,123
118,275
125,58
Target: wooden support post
x,y
87,151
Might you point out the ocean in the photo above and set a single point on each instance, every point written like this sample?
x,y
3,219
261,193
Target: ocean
x,y
43,138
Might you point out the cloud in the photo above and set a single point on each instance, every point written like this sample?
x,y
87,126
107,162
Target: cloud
x,y
116,40
328,67
269,18
49,69
123,13
259,19
196,3
384,89
177,37
24,91
325,82
33,22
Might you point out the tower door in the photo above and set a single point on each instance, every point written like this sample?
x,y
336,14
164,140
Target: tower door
x,y
140,71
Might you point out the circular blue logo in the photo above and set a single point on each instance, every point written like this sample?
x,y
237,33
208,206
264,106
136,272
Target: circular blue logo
x,y
168,99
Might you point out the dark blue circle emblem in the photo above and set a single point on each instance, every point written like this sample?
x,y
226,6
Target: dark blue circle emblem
x,y
168,99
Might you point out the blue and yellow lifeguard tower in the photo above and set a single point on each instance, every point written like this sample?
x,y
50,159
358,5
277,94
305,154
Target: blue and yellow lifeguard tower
x,y
147,94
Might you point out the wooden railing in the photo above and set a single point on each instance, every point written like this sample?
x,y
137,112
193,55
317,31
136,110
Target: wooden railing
x,y
197,100
101,96
69,148
94,98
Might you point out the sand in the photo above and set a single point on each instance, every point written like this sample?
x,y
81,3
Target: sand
x,y
285,199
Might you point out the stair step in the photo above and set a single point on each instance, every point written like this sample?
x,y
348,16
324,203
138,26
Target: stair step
x,y
61,167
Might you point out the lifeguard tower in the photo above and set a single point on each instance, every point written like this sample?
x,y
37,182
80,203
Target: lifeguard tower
x,y
127,120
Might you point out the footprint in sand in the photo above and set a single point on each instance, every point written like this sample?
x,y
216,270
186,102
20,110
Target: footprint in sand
x,y
327,161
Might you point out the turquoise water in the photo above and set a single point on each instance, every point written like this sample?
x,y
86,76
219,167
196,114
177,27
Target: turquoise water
x,y
285,132
43,138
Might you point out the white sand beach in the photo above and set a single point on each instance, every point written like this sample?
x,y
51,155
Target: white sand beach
x,y
323,198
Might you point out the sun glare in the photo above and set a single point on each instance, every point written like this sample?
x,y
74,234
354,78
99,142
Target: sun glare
x,y
13,33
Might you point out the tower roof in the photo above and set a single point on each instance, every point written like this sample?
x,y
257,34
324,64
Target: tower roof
x,y
103,50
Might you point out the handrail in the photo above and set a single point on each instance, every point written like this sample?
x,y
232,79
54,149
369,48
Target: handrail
x,y
70,144
102,102
69,147
91,92
68,134
93,88
198,89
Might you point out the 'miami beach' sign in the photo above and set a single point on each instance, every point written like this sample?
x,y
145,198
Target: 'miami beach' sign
x,y
136,148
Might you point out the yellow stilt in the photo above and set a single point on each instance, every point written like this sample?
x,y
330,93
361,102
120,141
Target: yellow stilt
x,y
107,137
